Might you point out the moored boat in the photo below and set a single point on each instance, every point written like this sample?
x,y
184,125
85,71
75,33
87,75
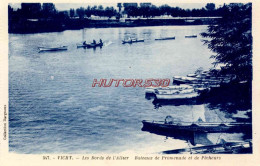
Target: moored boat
x,y
176,94
183,80
190,36
132,40
168,88
203,78
211,127
53,48
166,38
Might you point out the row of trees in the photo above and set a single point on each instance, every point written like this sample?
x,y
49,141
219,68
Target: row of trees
x,y
95,10
48,10
36,11
152,11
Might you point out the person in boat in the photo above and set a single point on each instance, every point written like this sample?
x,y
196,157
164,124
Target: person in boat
x,y
94,42
100,41
168,120
84,43
200,120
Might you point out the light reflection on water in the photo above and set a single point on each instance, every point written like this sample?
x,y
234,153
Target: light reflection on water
x,y
54,109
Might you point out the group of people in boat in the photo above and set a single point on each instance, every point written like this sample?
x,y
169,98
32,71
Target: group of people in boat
x,y
94,42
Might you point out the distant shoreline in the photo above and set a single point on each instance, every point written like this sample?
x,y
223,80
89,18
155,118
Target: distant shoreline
x,y
43,26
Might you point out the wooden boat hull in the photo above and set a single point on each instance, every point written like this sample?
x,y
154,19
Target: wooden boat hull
x,y
52,48
177,96
201,127
166,89
167,38
192,36
133,41
90,45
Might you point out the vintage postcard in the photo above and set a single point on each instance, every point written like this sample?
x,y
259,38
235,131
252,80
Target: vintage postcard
x,y
129,82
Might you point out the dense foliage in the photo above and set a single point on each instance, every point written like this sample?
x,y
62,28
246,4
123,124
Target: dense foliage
x,y
231,39
45,10
152,11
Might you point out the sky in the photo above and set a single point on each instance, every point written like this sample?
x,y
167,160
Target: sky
x,y
67,6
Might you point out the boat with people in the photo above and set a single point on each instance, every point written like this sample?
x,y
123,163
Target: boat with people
x,y
132,40
170,125
91,45
53,48
221,148
166,38
191,36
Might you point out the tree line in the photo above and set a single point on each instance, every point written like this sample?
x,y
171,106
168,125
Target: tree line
x,y
209,10
95,10
49,11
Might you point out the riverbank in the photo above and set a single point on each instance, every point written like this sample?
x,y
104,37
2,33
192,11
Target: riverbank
x,y
51,25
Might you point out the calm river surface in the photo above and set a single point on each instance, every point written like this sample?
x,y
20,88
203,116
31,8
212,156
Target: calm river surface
x,y
54,109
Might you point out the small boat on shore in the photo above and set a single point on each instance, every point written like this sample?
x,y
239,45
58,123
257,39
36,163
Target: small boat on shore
x,y
178,94
166,38
53,48
132,40
190,36
203,78
208,127
167,88
221,148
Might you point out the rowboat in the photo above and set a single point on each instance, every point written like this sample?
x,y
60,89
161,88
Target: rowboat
x,y
183,80
221,148
132,40
166,38
53,48
90,45
209,127
167,88
191,36
205,78
171,95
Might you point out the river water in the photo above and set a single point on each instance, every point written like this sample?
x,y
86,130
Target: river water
x,y
54,109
